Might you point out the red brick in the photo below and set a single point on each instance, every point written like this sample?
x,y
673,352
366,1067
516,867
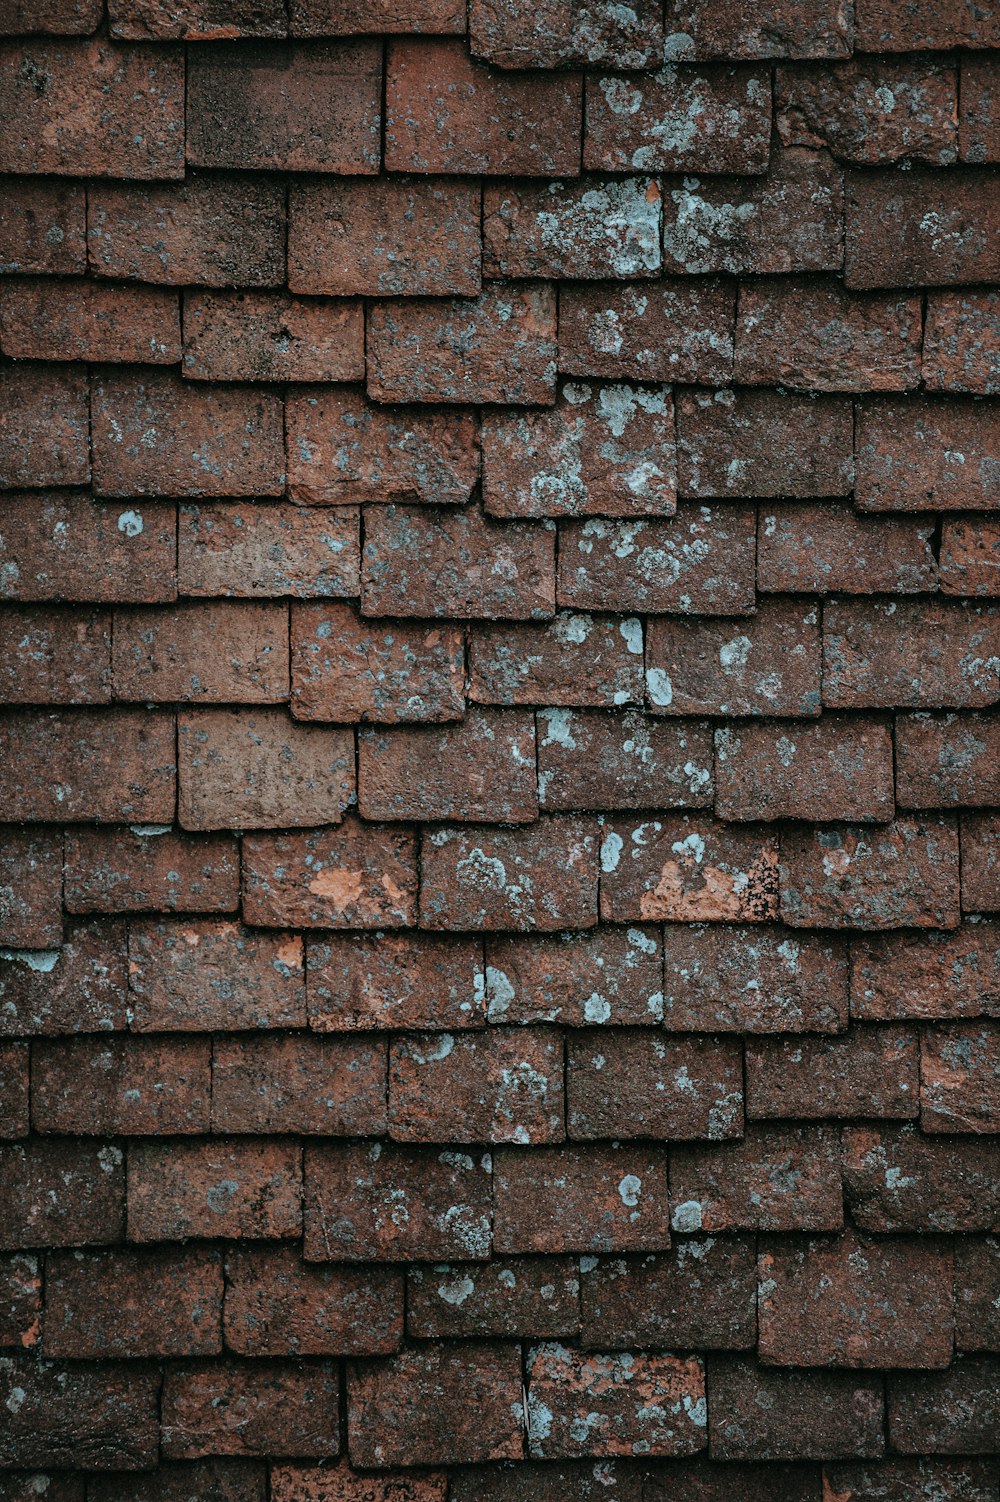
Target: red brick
x,y
101,1417
681,119
674,331
31,884
901,874
358,982
779,1178
55,657
277,1307
815,335
61,1194
436,1404
597,1405
544,35
689,869
80,320
196,21
343,17
265,1408
219,1189
212,229
981,863
585,229
63,17
87,765
977,1315
962,342
978,135
253,551
212,976
914,654
375,1203
63,546
895,1179
816,29
960,1078
347,668
936,975
44,426
447,113
947,761
481,770
299,1084
79,988
702,1293
289,108
498,347
899,1480
869,1071
910,25
14,1078
924,455
871,111
125,1303
260,769
418,562
123,1087
163,436
358,876
296,1483
581,1199
269,336
829,547
543,877
790,220
758,1413
630,760
833,768
92,109
575,659
20,1302
953,1412
753,980
922,227
202,653
508,1297
501,1085
388,239
765,665
610,975
635,1084
702,560
764,443
43,227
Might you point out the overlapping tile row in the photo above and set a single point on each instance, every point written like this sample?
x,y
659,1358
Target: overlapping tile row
x,y
499,760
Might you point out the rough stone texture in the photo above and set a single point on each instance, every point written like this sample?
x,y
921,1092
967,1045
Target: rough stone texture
x,y
614,1405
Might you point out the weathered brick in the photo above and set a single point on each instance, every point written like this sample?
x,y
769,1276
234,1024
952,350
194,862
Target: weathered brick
x,y
597,1405
14,1083
911,25
92,109
680,119
63,546
753,980
688,869
532,1481
87,765
933,975
767,664
357,876
675,330
630,760
816,29
218,1189
577,659
78,988
347,668
590,228
55,657
758,1413
61,17
703,1293
253,551
764,443
266,1408
202,653
80,320
960,1078
447,113
872,110
914,654
903,873
981,863
124,1303
358,982
97,1418
290,108
962,342
922,455
544,35
947,760
44,426
213,976
829,547
61,1194
344,17
610,975
43,227
779,1178
298,1483
832,768
277,1307
299,1084
502,1085
498,347
581,1199
869,1071
479,771
895,1179
506,1298
543,877
260,769
375,1203
635,1084
196,20
815,335
924,226
978,134
397,237
31,887
20,1301
956,1412
899,1480
977,1316
121,1087
269,336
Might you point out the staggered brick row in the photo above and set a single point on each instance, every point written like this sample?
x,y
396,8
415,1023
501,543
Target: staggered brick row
x,y
499,751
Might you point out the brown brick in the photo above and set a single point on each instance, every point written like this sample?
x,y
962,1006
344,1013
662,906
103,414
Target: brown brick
x,y
22,1486
79,988
681,119
977,1316
43,227
269,336
903,873
246,768
277,1307
764,443
543,877
358,876
581,1199
202,653
375,1203
895,1179
31,885
829,548
219,1189
81,320
347,668
20,1302
762,1414
701,560
447,113
532,1481
871,111
815,335
981,863
544,35
914,654
962,342
765,665
498,347
899,1480
14,1080
357,982
124,1303
630,760
343,17
334,1086
266,1408
393,238
481,770
753,980
947,760
123,1087
62,17
609,975
597,1405
675,330
509,1297
832,768
68,547
933,975
254,551
591,228
298,1483
952,1412
290,108
703,1293
213,229
87,765
779,1178
927,455
689,869
790,220
979,138
635,1084
61,1194
163,436
44,426
909,25
92,109
922,227
196,21
500,1085
869,1071
101,1417
960,1078
575,659
816,29
213,976
55,657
